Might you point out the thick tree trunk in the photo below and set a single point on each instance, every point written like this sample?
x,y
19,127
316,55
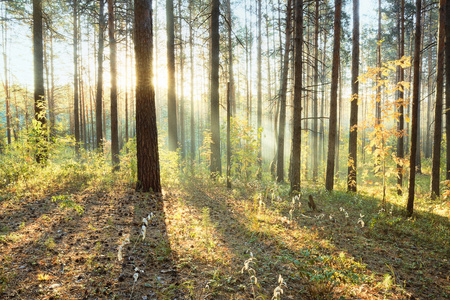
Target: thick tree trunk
x,y
436,160
99,96
39,94
297,126
146,130
415,106
282,96
333,97
113,67
353,140
171,90
216,166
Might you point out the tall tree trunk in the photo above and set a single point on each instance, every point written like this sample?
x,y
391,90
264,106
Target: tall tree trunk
x,y
113,66
415,107
230,58
99,96
216,167
171,91
5,82
436,161
401,104
447,84
39,94
146,129
259,88
353,140
191,53
315,95
182,113
282,96
333,97
297,126
76,104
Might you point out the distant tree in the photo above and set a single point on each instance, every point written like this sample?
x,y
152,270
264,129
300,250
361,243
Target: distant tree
x,y
415,110
436,160
216,167
353,140
297,124
171,92
333,97
39,96
146,129
113,67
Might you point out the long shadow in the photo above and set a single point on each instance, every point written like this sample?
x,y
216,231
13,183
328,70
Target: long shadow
x,y
48,252
388,243
381,254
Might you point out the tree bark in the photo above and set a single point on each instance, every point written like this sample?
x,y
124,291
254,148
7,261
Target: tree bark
x,y
282,96
401,104
259,90
76,100
447,84
99,95
171,92
191,50
415,106
216,167
113,66
297,126
146,129
353,140
181,100
333,97
39,93
315,135
436,160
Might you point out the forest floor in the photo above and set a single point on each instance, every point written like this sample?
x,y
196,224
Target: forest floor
x,y
60,234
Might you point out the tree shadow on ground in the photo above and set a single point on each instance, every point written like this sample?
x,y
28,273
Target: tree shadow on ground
x,y
410,251
51,252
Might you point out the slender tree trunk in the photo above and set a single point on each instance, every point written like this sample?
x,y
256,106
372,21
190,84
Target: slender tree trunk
x,y
259,88
146,129
447,84
333,97
229,135
297,126
76,105
401,104
316,99
353,140
99,96
39,94
171,90
436,161
113,67
191,53
5,82
282,96
182,113
415,106
216,167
